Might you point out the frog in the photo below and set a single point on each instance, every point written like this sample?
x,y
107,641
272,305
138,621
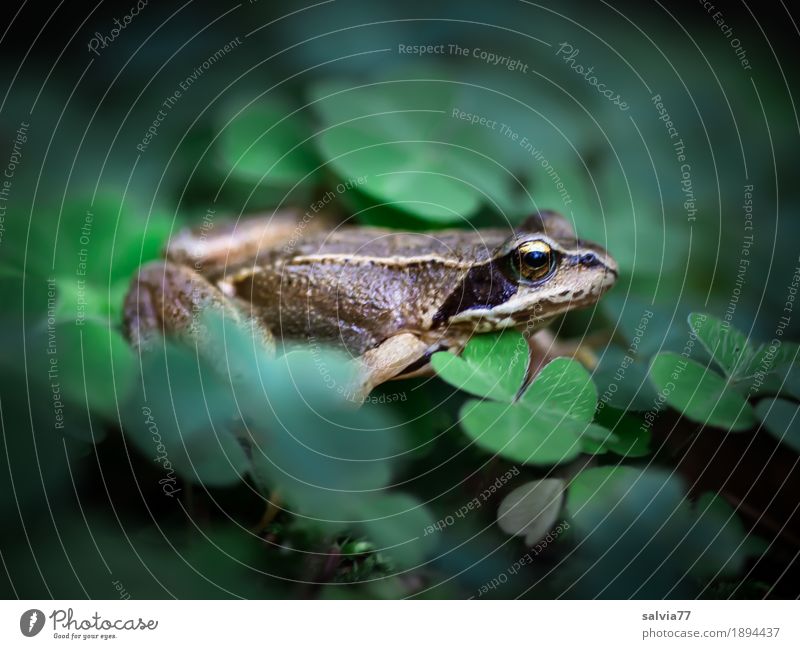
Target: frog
x,y
389,298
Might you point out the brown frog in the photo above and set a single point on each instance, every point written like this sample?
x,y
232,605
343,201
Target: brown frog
x,y
388,297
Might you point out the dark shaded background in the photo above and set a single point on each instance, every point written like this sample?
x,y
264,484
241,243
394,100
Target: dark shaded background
x,y
64,498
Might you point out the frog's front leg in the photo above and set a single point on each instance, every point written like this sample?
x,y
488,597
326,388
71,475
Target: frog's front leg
x,y
168,299
386,361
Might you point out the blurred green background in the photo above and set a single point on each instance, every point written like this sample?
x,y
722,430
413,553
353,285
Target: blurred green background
x,y
667,134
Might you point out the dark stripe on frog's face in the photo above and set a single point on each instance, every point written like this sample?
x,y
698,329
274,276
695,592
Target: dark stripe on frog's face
x,y
577,270
484,286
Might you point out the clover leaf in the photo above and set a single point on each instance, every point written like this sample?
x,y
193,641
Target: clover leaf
x,y
637,535
392,521
286,423
749,369
265,140
700,393
419,157
740,359
547,424
182,418
491,366
532,509
727,345
81,270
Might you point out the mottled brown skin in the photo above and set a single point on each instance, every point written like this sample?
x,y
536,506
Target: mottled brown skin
x,y
358,286
389,297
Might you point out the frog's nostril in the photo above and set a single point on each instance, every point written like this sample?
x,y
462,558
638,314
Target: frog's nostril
x,y
589,259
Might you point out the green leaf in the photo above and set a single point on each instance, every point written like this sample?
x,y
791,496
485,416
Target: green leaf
x,y
546,425
726,344
565,388
394,523
98,365
326,458
743,360
90,366
782,419
310,439
719,540
404,138
93,252
699,393
103,240
265,140
769,359
638,536
519,435
532,509
182,417
491,366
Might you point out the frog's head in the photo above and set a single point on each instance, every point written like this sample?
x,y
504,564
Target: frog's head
x,y
541,271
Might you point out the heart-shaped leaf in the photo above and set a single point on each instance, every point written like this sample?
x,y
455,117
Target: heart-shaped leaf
x,y
392,521
727,345
743,360
418,156
265,140
519,435
97,365
491,366
700,393
565,388
182,418
549,422
532,509
775,360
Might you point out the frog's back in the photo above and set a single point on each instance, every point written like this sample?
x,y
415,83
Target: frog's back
x,y
358,286
396,247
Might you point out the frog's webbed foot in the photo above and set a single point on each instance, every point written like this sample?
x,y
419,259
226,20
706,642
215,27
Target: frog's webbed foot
x,y
385,362
167,299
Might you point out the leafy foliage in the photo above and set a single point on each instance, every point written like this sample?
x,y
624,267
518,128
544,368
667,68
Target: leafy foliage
x,y
549,421
402,135
740,359
160,466
531,510
701,394
492,366
631,523
285,423
265,140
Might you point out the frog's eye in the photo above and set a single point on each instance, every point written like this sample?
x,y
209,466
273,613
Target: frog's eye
x,y
535,260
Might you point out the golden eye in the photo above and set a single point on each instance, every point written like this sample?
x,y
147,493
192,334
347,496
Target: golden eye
x,y
535,259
